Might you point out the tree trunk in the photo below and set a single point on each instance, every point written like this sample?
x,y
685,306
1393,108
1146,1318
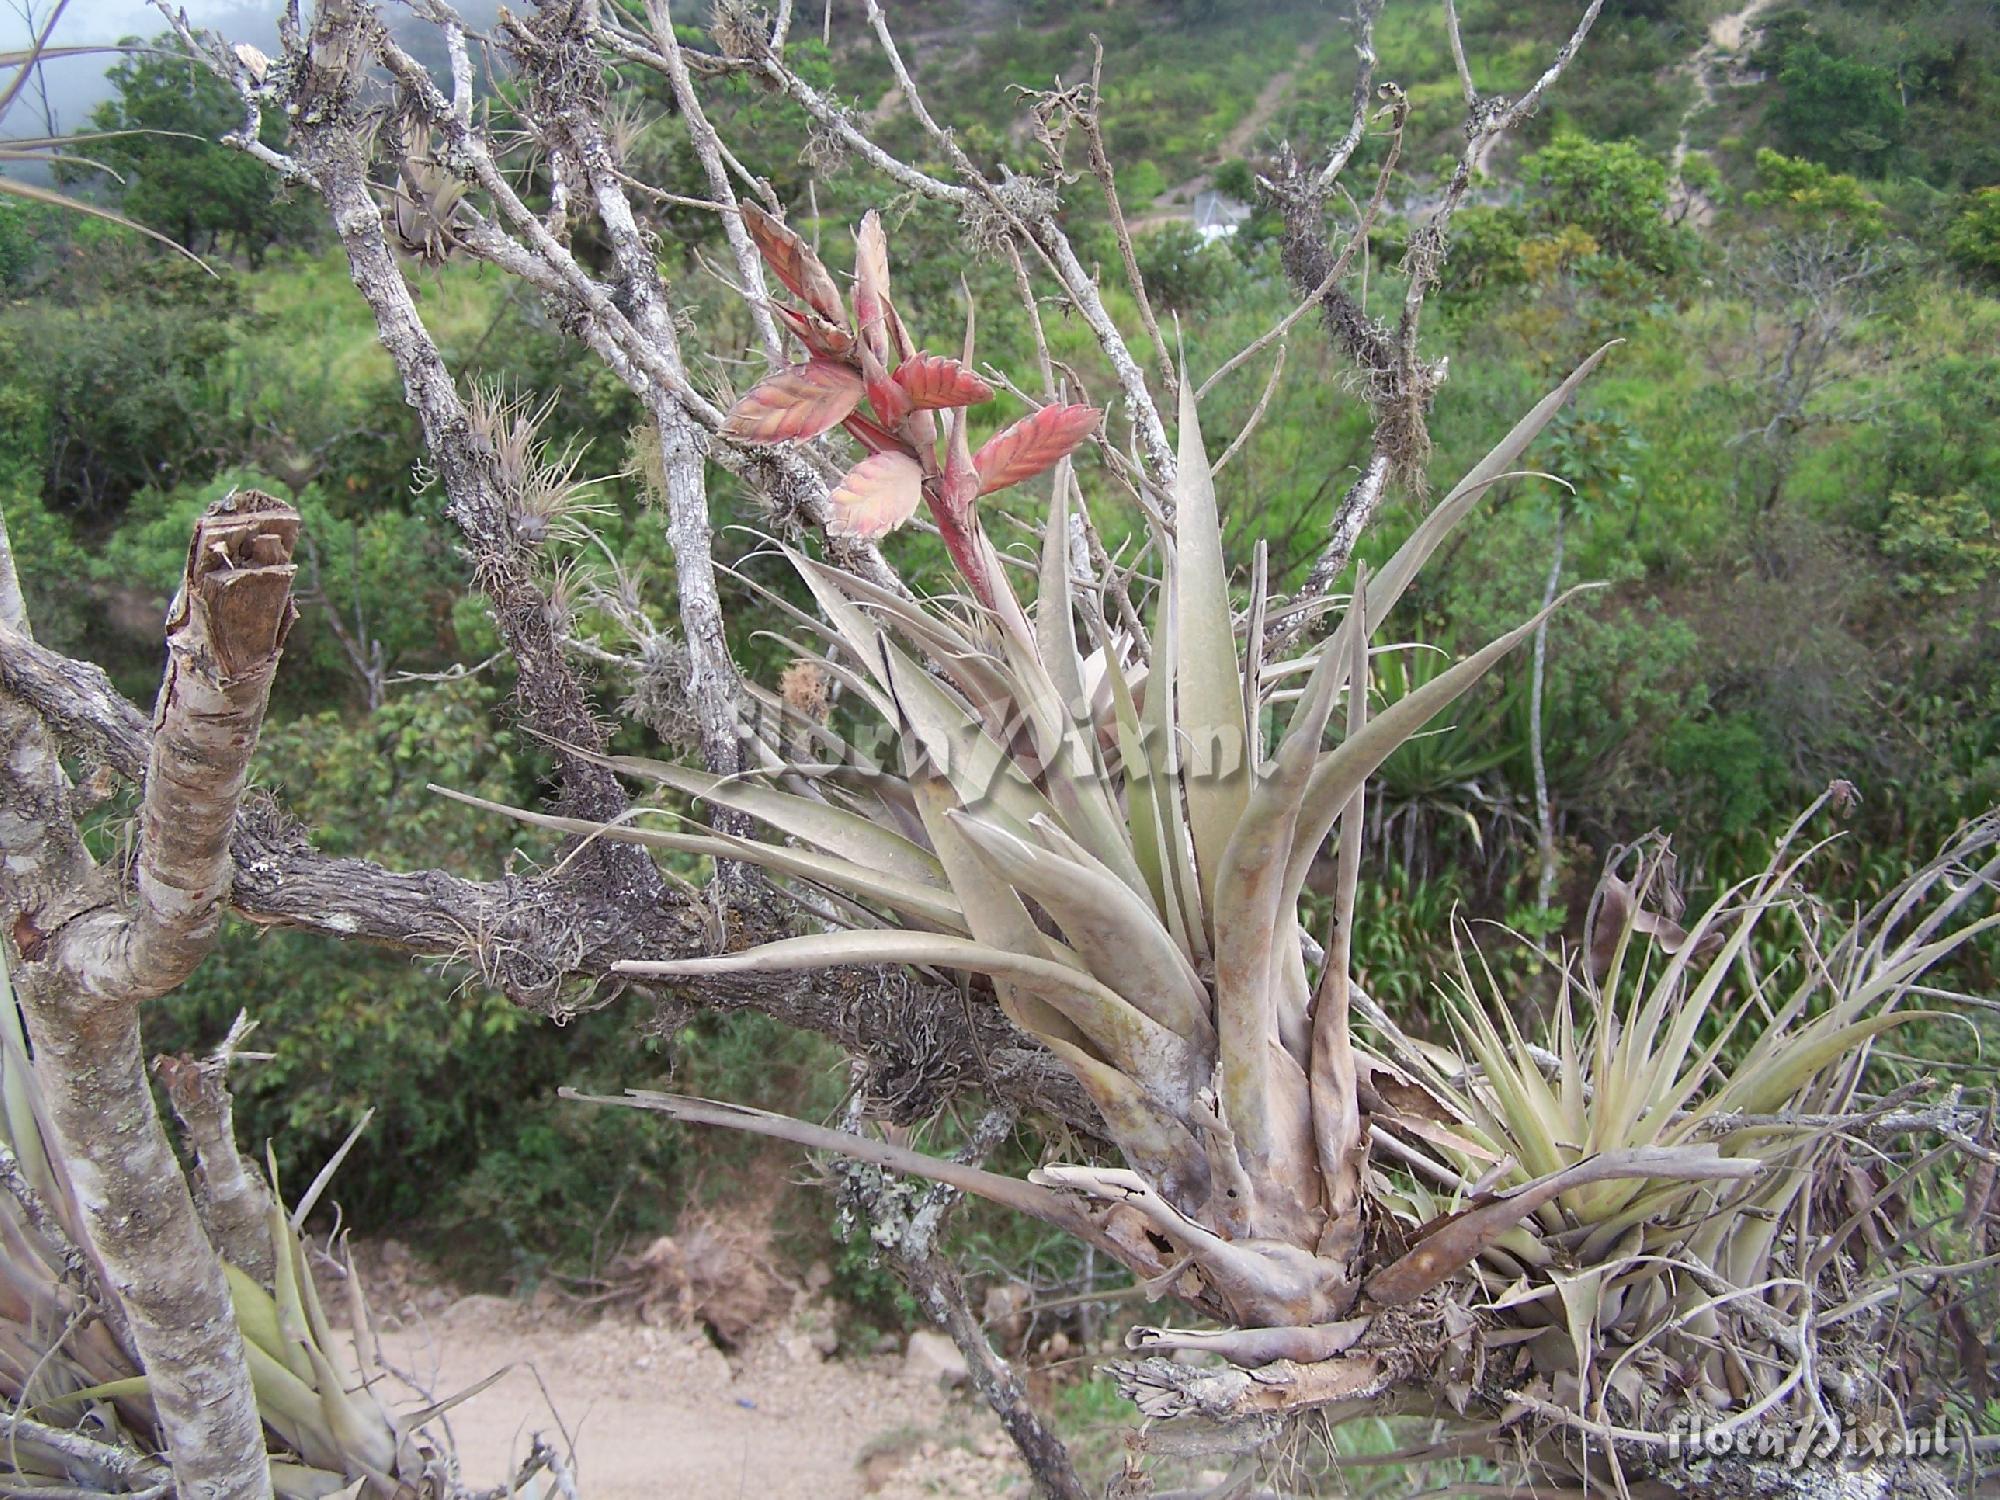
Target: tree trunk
x,y
91,951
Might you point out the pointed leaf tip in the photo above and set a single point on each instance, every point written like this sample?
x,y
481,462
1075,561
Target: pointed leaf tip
x,y
871,286
792,261
878,494
1033,444
796,403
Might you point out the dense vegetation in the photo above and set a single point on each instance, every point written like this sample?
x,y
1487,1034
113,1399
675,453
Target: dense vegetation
x,y
1788,473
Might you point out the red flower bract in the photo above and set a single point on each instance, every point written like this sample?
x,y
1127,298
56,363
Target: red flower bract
x,y
1032,445
796,403
879,494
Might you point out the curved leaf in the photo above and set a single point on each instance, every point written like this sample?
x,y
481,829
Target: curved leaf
x,y
1447,1245
833,830
915,900
1118,935
1109,1021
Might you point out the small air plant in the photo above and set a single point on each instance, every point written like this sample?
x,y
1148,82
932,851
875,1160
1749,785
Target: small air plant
x,y
425,200
871,358
547,500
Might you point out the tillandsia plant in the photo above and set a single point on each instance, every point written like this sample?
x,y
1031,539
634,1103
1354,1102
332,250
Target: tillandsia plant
x,y
1113,839
1108,843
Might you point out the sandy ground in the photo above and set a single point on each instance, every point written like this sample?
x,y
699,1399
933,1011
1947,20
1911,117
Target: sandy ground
x,y
660,1412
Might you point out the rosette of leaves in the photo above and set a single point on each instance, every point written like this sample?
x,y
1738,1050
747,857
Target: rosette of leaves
x,y
1111,846
1112,843
1635,1301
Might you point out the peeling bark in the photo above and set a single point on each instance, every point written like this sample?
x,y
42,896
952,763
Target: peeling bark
x,y
234,1202
92,951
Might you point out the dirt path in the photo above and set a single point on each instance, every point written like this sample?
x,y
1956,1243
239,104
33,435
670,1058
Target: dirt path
x,y
1726,35
661,1413
1176,200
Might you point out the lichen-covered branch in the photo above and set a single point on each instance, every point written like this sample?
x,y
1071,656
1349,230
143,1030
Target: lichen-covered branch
x,y
330,146
905,1223
532,937
91,951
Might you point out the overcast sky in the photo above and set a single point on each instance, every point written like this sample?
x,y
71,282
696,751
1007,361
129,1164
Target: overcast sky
x,y
76,84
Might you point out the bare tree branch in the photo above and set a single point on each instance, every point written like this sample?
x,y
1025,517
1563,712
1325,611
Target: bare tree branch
x,y
906,1222
234,1202
533,937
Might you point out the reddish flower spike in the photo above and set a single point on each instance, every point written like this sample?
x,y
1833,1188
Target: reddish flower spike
x,y
796,403
875,438
890,400
1032,445
960,486
933,382
871,286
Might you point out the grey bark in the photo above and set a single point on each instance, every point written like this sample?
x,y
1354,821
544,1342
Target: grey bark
x,y
529,936
91,951
234,1202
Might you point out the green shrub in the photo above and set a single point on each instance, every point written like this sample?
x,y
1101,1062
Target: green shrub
x,y
1612,190
1839,111
1973,240
1183,272
127,374
1942,545
1806,196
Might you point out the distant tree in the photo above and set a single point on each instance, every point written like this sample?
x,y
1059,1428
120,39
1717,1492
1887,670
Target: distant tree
x,y
124,388
1973,240
1806,197
1237,180
1182,270
177,179
17,244
1613,191
1839,111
